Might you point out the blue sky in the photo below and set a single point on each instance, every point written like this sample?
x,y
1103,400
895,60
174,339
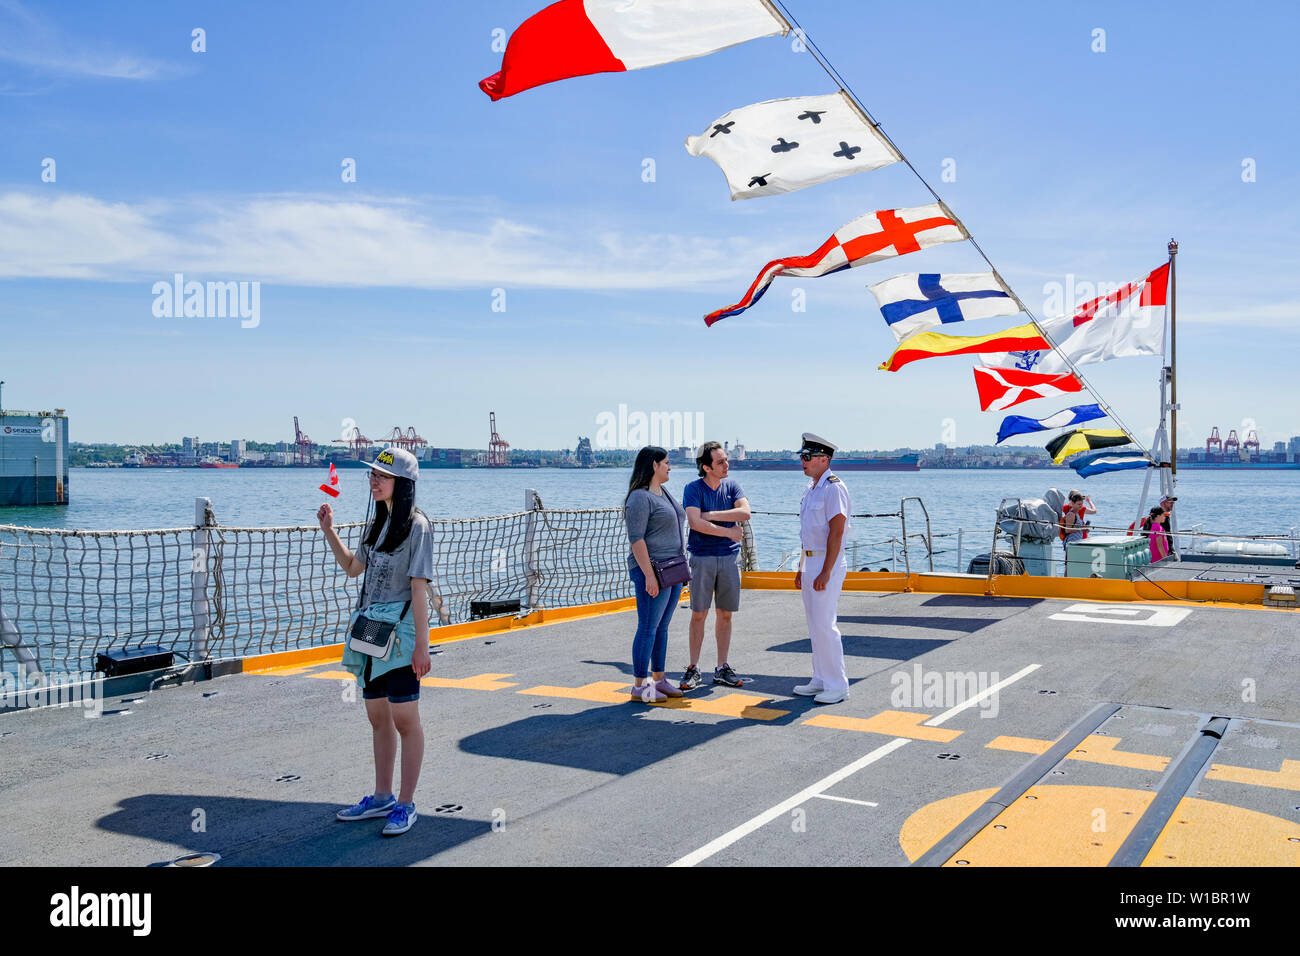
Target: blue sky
x,y
376,295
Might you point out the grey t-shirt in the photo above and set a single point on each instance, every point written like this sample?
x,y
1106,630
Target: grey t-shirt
x,y
388,576
657,520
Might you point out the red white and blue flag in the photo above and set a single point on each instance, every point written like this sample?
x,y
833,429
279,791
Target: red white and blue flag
x,y
870,238
580,37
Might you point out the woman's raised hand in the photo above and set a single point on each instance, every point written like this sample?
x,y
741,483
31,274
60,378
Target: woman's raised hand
x,y
325,516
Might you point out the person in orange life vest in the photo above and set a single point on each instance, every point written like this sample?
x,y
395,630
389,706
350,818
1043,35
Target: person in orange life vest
x,y
1073,526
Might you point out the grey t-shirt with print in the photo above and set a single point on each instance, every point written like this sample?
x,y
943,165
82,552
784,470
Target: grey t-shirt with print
x,y
388,576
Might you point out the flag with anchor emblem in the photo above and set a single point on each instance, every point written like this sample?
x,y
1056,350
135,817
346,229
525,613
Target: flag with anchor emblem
x,y
783,145
914,302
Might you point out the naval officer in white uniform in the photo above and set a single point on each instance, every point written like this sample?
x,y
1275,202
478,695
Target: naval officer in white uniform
x,y
823,526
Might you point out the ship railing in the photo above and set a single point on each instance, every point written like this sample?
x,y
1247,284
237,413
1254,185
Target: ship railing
x,y
211,592
1195,540
860,555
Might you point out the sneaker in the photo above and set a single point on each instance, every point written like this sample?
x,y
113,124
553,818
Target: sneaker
x,y
648,693
400,819
666,688
691,679
831,696
725,675
369,808
810,689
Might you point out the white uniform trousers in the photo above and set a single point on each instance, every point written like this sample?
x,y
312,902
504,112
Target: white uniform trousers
x,y
820,609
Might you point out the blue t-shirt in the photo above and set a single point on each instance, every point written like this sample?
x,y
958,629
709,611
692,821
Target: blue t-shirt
x,y
699,495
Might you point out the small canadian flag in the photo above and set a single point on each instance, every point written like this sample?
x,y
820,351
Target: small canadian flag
x,y
334,480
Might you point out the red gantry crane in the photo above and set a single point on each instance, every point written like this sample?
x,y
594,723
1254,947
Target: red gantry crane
x,y
1213,444
1232,446
302,445
358,444
408,440
1251,445
497,447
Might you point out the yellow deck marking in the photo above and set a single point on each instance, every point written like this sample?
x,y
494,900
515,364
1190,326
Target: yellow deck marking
x,y
1093,749
891,723
294,670
1204,833
477,682
727,705
601,692
616,692
334,675
1023,745
1288,778
1066,825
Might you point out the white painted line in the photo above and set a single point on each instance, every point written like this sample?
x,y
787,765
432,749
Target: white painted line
x,y
785,806
863,803
972,701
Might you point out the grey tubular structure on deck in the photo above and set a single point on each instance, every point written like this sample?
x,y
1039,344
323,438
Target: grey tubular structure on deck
x,y
1014,789
1178,780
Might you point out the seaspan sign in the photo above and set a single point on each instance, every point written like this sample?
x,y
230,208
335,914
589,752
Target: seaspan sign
x,y
22,429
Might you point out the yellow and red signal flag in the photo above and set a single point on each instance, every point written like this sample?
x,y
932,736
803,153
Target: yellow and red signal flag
x,y
1021,338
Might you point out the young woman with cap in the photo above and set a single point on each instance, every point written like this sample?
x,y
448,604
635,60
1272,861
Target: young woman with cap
x,y
396,556
654,533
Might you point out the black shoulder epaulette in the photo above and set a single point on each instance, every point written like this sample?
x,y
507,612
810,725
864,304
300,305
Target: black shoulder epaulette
x,y
833,478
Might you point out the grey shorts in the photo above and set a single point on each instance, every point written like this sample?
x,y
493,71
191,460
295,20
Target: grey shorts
x,y
715,575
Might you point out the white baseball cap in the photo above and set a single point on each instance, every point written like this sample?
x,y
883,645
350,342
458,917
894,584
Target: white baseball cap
x,y
397,462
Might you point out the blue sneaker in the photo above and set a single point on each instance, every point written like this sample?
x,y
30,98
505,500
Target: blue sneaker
x,y
369,808
400,819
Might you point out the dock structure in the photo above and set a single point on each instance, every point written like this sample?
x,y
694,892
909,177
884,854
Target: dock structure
x,y
982,729
33,457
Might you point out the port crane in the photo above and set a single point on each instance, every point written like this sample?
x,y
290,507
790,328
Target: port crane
x,y
408,440
497,446
358,444
302,445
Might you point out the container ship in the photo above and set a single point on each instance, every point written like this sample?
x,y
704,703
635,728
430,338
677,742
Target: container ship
x,y
891,463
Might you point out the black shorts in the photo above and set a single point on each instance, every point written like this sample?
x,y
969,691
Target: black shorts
x,y
399,685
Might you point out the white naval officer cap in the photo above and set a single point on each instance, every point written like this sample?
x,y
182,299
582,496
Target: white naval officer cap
x,y
817,444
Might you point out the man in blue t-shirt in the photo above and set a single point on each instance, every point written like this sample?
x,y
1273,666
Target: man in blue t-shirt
x,y
715,505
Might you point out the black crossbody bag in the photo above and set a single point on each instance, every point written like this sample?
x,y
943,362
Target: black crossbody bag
x,y
671,572
372,638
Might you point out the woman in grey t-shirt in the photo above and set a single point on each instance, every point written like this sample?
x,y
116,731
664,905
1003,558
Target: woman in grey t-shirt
x,y
654,531
396,557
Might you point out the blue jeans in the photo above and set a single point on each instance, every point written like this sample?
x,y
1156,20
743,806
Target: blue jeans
x,y
650,646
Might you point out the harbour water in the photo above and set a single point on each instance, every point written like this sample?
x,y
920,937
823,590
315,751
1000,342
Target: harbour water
x,y
1260,502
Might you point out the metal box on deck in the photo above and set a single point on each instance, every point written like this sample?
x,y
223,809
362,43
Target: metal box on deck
x,y
1107,556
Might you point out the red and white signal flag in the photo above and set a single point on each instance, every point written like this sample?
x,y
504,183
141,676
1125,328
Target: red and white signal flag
x,y
580,37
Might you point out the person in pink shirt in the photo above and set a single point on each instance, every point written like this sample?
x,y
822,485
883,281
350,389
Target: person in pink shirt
x,y
1156,528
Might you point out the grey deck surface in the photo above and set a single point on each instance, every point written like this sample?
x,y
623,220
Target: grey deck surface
x,y
574,782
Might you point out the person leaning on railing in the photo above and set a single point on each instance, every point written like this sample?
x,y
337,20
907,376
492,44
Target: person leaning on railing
x,y
397,551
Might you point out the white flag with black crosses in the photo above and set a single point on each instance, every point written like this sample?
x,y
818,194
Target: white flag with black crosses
x,y
783,145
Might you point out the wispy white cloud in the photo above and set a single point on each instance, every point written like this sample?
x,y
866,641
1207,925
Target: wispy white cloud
x,y
312,241
32,41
